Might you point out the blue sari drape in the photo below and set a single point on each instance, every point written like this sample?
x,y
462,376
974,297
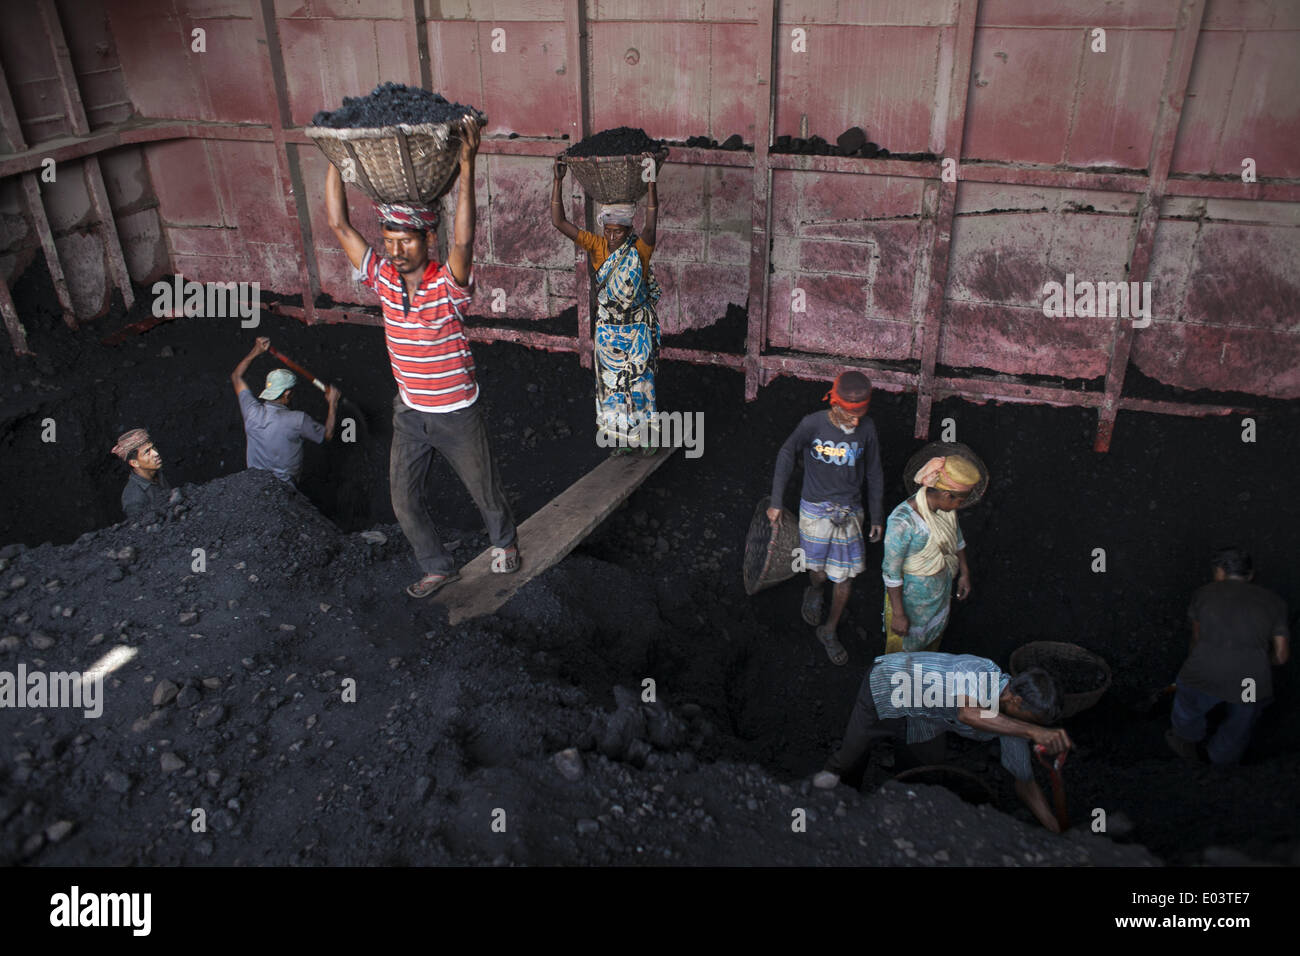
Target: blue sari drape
x,y
626,347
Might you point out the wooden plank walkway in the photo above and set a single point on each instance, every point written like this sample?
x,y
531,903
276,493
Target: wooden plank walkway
x,y
549,535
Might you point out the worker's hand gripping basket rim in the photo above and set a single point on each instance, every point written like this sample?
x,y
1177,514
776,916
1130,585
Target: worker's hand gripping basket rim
x,y
403,163
1035,653
613,179
942,449
769,552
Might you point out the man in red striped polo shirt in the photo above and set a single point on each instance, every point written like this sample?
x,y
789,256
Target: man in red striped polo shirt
x,y
436,404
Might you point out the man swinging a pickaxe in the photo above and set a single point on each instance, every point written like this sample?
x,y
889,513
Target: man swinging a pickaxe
x,y
274,431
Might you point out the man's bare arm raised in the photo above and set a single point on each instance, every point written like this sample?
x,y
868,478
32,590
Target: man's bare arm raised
x,y
336,207
461,255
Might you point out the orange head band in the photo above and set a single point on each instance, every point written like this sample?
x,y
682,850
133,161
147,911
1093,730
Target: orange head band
x,y
836,397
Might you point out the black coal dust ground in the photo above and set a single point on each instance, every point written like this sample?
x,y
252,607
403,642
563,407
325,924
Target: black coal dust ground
x,y
233,702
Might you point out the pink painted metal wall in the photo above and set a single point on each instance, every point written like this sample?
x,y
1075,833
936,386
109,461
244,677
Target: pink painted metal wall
x,y
97,214
1123,164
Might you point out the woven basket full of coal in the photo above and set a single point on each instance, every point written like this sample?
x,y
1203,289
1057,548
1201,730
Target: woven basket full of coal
x,y
609,164
400,144
1082,675
769,553
942,449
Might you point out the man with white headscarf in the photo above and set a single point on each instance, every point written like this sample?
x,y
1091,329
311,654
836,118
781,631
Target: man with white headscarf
x,y
626,341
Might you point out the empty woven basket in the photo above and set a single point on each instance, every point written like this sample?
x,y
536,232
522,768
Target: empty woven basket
x,y
769,553
1071,665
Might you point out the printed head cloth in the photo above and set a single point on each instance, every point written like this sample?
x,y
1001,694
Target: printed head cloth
x,y
851,392
128,442
951,473
403,215
616,214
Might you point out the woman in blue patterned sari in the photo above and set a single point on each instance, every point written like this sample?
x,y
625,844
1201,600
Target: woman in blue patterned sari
x,y
626,341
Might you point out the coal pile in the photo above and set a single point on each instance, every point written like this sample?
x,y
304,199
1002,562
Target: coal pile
x,y
966,785
621,141
732,143
393,104
812,146
852,142
236,703
507,711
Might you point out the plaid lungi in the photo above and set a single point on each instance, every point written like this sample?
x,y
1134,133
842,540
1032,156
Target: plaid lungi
x,y
831,537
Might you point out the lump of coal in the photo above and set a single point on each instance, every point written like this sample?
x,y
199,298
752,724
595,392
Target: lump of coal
x,y
851,140
812,146
393,104
621,141
733,142
701,142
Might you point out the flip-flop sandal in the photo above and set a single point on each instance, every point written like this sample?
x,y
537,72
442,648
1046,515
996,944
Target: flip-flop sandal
x,y
430,583
834,649
811,610
511,563
649,451
619,452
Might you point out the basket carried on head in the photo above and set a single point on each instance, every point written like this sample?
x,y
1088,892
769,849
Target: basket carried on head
x,y
612,179
1072,666
942,449
769,551
406,164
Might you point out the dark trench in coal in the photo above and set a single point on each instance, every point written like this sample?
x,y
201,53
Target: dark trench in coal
x,y
656,590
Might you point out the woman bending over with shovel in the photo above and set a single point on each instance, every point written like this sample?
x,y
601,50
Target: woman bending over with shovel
x,y
627,327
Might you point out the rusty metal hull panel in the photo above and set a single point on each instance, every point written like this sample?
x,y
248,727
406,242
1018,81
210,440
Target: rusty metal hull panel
x,y
1039,157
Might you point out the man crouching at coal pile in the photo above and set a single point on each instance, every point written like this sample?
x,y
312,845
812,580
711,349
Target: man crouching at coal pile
x,y
839,451
970,695
146,490
1239,631
436,405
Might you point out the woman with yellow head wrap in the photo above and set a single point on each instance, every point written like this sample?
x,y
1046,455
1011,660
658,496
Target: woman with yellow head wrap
x,y
924,553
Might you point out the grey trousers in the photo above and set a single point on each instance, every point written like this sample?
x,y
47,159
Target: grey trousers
x,y
865,728
462,439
